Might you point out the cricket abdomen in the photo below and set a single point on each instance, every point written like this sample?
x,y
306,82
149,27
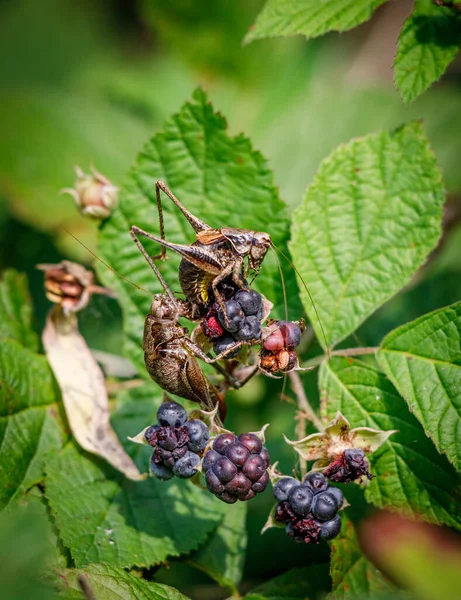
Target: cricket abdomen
x,y
195,283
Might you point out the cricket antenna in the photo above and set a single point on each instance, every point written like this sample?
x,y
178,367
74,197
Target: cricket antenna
x,y
105,264
284,289
308,293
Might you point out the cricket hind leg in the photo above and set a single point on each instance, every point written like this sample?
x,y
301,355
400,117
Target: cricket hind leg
x,y
135,232
196,223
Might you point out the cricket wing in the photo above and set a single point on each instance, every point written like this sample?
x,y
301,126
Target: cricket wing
x,y
201,389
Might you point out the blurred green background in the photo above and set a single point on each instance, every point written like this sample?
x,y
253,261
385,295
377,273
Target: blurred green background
x,y
87,82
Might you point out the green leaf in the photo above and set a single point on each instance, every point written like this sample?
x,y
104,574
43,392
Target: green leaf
x,y
296,584
222,557
310,17
429,40
103,517
220,179
30,427
24,555
352,573
16,310
423,360
411,477
107,582
367,222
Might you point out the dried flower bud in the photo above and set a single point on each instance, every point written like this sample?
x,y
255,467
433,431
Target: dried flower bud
x,y
94,194
70,285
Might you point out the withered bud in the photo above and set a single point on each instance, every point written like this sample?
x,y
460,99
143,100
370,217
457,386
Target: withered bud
x,y
70,285
349,465
94,195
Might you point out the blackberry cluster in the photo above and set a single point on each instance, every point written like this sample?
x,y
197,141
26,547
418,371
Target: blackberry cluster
x,y
236,467
244,312
348,466
278,353
309,509
177,442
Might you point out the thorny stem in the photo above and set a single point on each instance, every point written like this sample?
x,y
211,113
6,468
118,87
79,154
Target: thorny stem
x,y
314,362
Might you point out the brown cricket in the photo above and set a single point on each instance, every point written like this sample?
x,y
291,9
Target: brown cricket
x,y
216,255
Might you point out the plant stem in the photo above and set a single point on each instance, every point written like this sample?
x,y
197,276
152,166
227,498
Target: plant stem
x,y
303,403
314,362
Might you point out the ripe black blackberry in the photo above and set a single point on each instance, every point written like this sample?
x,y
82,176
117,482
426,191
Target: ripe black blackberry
x,y
244,312
236,467
177,442
309,509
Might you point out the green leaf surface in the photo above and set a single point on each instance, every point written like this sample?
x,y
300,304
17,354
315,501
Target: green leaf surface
x,y
220,179
411,477
222,557
103,517
16,310
353,575
367,222
310,17
304,583
24,555
429,40
30,427
423,360
107,582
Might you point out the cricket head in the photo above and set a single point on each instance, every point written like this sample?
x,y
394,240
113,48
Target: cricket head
x,y
163,309
261,242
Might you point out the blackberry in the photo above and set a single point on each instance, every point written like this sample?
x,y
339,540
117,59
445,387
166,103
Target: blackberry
x,y
222,441
228,498
316,482
254,467
223,343
176,442
224,469
209,459
251,302
261,484
330,529
167,439
249,330
185,466
236,467
337,495
309,510
235,316
325,506
198,433
160,471
171,414
237,453
300,499
150,434
252,442
213,483
284,513
283,487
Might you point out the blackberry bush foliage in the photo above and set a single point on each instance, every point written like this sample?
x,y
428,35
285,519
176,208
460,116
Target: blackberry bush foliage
x,y
370,424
